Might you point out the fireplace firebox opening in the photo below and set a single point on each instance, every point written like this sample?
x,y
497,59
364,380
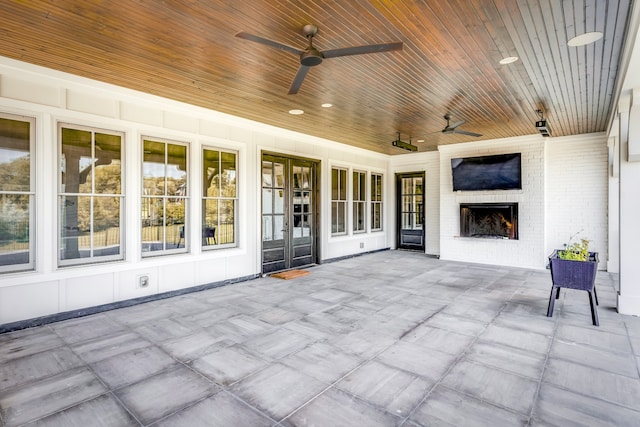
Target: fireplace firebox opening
x,y
489,220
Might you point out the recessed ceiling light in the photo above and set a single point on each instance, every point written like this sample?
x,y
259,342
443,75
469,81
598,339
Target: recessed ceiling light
x,y
296,112
508,60
420,140
327,105
584,39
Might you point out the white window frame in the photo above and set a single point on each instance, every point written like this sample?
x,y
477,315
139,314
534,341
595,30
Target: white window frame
x,y
217,234
31,193
374,202
359,177
340,201
61,164
172,244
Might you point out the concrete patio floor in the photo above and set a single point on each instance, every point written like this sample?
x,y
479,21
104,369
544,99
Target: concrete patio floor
x,y
385,339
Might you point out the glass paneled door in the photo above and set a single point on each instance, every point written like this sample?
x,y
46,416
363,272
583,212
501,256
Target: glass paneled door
x,y
289,194
410,191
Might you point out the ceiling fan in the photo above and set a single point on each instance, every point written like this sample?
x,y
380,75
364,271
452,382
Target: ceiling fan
x,y
310,56
451,128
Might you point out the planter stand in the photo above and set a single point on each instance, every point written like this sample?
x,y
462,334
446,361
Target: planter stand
x,y
580,275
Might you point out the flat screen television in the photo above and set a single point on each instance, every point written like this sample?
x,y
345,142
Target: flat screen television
x,y
496,172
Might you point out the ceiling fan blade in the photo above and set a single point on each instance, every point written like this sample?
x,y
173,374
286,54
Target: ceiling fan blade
x,y
359,50
269,43
464,132
298,79
455,125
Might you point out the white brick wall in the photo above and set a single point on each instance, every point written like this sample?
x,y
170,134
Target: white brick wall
x,y
552,204
528,250
577,191
564,192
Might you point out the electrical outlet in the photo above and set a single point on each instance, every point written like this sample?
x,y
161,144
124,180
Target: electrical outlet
x,y
361,245
143,281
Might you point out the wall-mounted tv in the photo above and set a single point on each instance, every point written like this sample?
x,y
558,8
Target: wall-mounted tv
x,y
496,172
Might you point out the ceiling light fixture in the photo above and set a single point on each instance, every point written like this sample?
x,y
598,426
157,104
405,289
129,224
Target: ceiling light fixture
x,y
584,39
296,112
326,105
508,60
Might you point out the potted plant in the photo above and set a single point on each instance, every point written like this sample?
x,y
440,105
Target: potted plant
x,y
574,267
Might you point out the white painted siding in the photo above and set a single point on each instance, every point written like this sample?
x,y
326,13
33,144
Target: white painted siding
x,y
53,97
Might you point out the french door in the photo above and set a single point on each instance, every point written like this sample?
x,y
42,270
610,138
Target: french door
x,y
289,212
410,211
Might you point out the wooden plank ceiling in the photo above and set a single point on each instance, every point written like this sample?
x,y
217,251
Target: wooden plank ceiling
x,y
187,51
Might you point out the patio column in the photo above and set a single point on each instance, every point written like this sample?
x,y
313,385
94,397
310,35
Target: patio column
x,y
629,138
613,235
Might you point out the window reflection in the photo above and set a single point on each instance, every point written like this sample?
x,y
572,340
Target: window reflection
x,y
220,198
90,198
164,195
16,196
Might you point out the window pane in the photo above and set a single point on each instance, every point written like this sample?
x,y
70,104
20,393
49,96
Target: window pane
x,y
376,188
210,213
278,227
226,232
75,227
108,171
358,216
267,174
306,225
108,178
301,177
407,203
15,168
228,176
152,224
335,182
278,201
175,236
338,211
342,217
175,211
153,170
106,233
267,228
14,229
267,201
297,225
278,175
176,170
77,163
359,186
343,185
211,170
407,185
406,221
376,216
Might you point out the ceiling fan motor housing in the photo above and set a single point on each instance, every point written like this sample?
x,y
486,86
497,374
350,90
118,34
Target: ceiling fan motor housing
x,y
311,57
